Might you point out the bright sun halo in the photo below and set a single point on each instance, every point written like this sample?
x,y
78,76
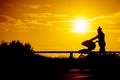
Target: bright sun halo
x,y
80,25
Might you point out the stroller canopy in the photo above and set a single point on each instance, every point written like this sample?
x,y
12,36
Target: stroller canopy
x,y
89,44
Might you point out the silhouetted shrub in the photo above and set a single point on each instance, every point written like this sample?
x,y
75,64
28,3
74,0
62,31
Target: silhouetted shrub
x,y
15,52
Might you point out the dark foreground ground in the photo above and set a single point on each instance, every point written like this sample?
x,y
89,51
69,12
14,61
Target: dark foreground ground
x,y
38,73
93,67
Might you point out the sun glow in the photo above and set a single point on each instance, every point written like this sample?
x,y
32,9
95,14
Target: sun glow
x,y
81,25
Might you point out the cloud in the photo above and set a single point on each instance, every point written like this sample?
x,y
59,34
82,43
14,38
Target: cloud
x,y
6,19
8,23
38,22
110,22
35,6
38,15
117,14
29,22
43,18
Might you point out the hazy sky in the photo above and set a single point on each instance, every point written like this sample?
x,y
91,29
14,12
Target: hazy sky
x,y
46,24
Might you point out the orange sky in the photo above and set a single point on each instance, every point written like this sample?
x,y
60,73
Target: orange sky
x,y
46,25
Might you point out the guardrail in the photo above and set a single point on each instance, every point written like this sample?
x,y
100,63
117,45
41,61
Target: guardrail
x,y
81,52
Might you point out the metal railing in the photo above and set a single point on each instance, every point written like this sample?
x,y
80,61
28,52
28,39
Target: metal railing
x,y
81,52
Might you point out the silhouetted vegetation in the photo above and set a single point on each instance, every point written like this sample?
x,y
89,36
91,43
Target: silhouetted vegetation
x,y
15,52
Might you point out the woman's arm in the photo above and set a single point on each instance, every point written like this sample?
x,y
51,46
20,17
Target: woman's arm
x,y
94,38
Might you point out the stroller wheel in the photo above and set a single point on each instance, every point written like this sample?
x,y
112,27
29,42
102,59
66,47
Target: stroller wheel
x,y
81,56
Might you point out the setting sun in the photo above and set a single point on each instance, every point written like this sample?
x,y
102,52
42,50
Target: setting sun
x,y
80,25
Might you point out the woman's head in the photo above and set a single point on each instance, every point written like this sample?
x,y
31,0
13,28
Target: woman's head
x,y
99,29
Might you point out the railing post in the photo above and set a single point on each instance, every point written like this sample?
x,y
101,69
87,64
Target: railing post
x,y
71,55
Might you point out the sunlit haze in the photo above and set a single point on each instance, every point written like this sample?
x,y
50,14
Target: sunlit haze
x,y
60,24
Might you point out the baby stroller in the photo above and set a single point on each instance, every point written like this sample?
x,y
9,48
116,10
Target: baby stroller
x,y
90,46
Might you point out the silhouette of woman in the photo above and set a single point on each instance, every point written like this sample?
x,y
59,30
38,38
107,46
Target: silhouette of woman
x,y
101,40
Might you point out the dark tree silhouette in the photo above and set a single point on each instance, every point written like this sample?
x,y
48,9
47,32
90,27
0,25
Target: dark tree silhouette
x,y
15,52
